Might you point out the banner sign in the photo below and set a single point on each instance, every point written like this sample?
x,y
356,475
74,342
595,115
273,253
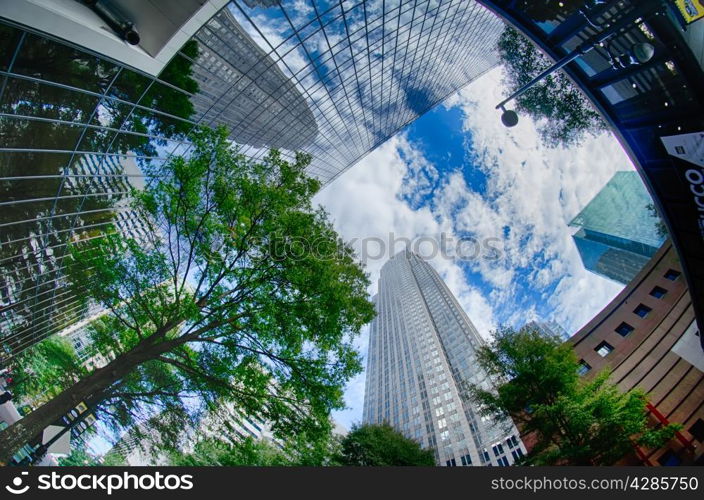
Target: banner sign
x,y
691,10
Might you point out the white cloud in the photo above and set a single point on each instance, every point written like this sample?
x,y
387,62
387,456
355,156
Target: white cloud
x,y
534,192
531,195
365,205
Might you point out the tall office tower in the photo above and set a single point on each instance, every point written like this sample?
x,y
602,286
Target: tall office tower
x,y
617,234
265,108
549,328
333,79
422,356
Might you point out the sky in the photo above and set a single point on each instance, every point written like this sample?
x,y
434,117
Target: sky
x,y
457,172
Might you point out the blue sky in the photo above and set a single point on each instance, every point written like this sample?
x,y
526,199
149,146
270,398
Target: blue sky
x,y
458,172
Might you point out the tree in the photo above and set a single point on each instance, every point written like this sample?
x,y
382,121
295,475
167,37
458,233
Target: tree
x,y
244,292
563,114
211,451
224,445
382,445
79,457
576,422
261,453
660,225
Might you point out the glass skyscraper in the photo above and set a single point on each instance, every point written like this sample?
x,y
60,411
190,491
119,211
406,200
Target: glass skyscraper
x,y
548,328
421,361
617,234
331,78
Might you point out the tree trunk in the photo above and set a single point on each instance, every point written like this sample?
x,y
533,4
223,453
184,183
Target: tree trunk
x,y
25,429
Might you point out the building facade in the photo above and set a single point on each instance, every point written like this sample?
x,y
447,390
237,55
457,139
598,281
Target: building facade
x,y
265,109
422,358
617,233
335,79
549,328
655,109
648,337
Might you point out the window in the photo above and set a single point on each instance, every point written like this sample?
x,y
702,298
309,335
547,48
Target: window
x,y
517,454
624,329
697,430
672,275
658,292
514,440
604,349
485,454
669,458
451,463
583,368
466,460
498,449
503,461
642,310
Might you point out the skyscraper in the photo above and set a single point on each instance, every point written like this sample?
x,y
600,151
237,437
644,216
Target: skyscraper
x,y
335,79
265,109
617,233
422,357
548,328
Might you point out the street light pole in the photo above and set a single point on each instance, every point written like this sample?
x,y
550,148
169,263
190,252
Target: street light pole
x,y
640,53
580,51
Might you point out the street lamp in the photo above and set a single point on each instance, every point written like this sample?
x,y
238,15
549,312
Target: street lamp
x,y
639,53
509,117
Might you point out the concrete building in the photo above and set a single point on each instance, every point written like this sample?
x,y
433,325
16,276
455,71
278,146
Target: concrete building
x,y
617,233
421,359
648,337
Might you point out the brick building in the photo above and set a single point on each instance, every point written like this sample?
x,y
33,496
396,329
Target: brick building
x,y
649,339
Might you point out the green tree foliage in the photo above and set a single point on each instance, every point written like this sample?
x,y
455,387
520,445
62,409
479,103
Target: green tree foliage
x,y
211,452
44,370
244,293
660,225
297,451
79,457
575,421
382,445
562,113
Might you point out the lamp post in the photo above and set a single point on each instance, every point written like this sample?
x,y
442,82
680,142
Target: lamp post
x,y
639,53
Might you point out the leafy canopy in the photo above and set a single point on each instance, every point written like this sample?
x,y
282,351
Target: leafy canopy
x,y
250,452
575,421
241,284
382,445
